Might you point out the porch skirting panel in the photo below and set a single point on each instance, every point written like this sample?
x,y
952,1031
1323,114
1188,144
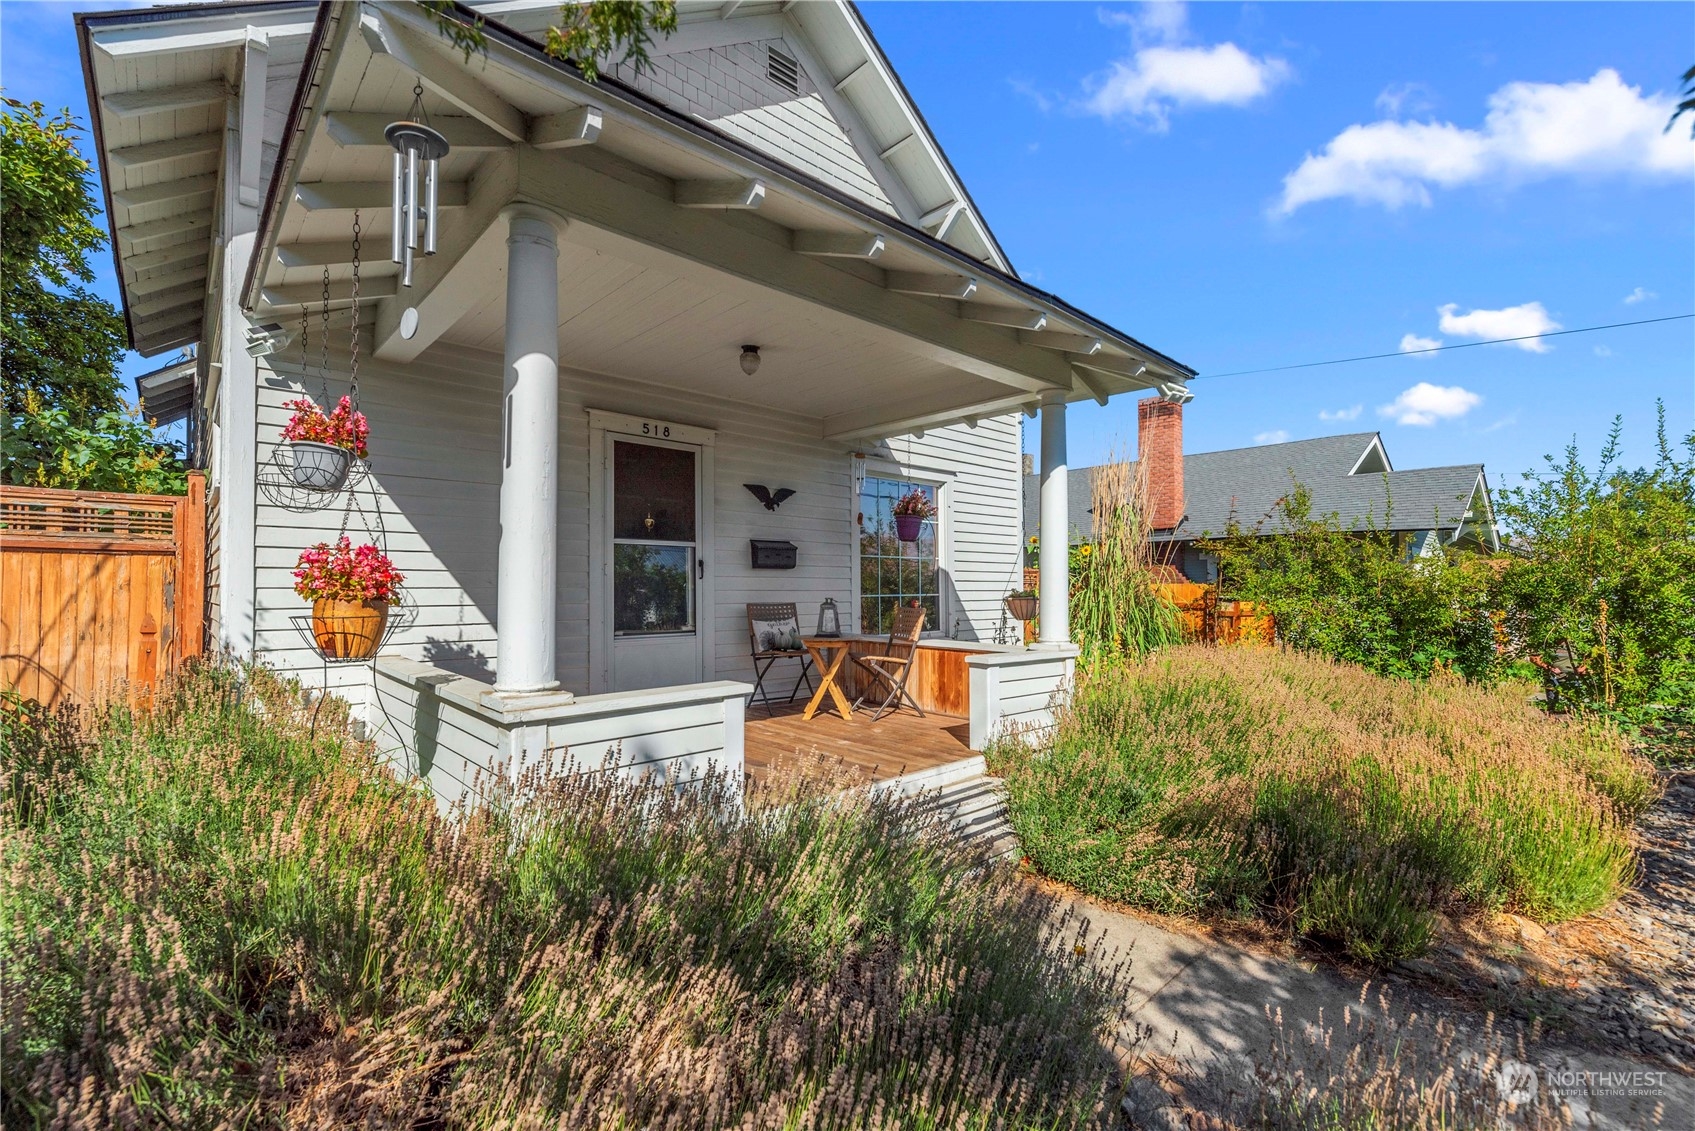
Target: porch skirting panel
x,y
1018,693
464,738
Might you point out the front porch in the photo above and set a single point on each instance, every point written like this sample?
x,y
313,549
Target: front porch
x,y
895,745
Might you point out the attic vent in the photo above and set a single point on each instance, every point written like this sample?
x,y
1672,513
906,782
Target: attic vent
x,y
782,70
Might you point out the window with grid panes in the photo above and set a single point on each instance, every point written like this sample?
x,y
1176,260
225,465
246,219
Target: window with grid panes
x,y
893,573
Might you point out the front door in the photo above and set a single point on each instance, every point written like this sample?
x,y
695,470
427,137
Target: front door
x,y
655,556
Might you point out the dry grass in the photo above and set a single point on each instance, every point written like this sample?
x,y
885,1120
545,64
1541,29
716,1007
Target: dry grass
x,y
1346,808
217,918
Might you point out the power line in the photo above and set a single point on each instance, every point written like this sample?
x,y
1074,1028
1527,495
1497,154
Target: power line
x,y
1454,346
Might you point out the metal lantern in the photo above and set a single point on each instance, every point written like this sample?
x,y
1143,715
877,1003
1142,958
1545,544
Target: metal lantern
x,y
415,219
829,619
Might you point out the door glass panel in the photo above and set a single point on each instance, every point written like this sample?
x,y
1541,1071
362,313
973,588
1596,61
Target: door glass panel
x,y
652,588
653,539
652,493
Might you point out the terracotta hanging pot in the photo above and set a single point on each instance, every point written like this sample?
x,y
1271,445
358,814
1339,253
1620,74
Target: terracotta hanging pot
x,y
348,630
908,526
1021,608
322,467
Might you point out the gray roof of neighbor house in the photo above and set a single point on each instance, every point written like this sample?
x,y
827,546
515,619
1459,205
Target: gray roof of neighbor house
x,y
1349,476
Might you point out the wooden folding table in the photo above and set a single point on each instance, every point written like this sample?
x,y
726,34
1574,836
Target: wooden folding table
x,y
828,655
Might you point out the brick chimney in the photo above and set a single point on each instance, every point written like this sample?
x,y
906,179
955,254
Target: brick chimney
x,y
1159,446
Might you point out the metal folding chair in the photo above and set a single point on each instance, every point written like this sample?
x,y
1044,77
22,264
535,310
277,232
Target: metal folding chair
x,y
768,625
889,672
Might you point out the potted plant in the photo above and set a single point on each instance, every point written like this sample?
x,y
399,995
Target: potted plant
x,y
1021,603
324,445
351,589
910,511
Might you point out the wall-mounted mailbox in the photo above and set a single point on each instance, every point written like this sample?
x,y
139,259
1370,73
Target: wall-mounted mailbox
x,y
772,555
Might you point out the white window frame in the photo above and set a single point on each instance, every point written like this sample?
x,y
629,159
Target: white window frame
x,y
878,468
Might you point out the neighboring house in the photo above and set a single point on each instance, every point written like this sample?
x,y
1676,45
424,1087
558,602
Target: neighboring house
x,y
1198,496
561,395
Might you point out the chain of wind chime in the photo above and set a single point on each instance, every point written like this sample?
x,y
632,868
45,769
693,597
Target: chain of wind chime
x,y
415,217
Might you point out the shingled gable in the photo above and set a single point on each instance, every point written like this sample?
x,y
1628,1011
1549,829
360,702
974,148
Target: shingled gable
x,y
809,85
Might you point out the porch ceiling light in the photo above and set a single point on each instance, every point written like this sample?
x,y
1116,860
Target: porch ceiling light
x,y
414,141
750,360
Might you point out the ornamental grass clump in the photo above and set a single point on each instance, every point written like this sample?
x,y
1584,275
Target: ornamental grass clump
x,y
1115,609
1345,807
219,917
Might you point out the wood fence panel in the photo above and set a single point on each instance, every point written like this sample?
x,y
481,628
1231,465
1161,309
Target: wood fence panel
x,y
98,589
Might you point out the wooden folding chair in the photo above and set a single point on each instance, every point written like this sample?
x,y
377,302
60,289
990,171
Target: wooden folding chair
x,y
770,627
889,672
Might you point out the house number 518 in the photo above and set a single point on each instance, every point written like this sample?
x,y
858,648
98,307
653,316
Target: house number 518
x,y
663,431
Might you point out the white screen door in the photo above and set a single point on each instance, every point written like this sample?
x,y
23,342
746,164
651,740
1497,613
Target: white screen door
x,y
656,561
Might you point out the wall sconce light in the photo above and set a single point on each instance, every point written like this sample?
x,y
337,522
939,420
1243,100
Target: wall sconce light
x,y
267,339
414,141
750,360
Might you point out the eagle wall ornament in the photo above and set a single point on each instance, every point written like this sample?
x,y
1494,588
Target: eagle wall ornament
x,y
771,499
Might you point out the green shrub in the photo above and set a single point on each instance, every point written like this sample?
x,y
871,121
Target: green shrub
x,y
1355,595
222,914
1344,806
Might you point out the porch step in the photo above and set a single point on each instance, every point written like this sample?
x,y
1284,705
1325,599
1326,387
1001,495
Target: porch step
x,y
969,799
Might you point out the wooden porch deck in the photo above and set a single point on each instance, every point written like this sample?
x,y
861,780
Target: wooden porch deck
x,y
895,744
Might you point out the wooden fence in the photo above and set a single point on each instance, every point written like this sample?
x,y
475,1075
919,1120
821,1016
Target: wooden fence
x,y
99,588
1212,621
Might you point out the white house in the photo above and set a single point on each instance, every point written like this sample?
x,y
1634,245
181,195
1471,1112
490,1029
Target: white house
x,y
571,356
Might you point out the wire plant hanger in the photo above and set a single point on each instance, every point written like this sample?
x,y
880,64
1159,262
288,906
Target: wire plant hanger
x,y
276,477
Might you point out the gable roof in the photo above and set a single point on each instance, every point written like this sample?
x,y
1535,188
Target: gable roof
x,y
846,119
1340,472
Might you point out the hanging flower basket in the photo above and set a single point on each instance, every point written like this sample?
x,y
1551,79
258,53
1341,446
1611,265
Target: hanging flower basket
x,y
351,589
1022,605
324,445
348,630
910,511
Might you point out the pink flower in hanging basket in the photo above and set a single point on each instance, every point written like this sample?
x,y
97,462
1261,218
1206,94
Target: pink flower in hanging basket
x,y
916,503
343,427
345,572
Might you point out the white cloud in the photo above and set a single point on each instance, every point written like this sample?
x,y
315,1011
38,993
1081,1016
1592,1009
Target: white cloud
x,y
1411,343
1531,130
1164,73
1506,421
1603,351
1640,294
1341,413
1277,436
1424,404
1412,97
1523,321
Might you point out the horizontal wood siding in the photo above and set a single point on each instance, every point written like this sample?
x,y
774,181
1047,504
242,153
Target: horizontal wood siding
x,y
435,444
430,738
433,497
984,517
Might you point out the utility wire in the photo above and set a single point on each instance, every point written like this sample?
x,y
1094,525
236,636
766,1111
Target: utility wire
x,y
1454,346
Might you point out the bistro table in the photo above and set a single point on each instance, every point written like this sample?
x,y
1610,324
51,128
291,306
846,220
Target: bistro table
x,y
828,654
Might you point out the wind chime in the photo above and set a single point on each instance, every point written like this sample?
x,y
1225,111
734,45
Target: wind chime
x,y
415,217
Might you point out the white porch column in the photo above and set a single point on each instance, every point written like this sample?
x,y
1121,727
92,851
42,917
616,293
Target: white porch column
x,y
529,484
1055,527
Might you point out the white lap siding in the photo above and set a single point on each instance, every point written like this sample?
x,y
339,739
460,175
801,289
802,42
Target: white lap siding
x,y
435,452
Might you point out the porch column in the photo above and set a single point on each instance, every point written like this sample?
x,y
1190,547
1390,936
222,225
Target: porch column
x,y
1054,556
529,484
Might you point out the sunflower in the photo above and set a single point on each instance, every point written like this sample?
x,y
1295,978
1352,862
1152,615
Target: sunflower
x,y
1085,551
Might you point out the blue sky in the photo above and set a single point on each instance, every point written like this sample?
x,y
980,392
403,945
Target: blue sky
x,y
1255,185
1134,160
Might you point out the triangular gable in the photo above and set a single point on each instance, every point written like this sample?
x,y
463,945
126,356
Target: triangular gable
x,y
807,84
